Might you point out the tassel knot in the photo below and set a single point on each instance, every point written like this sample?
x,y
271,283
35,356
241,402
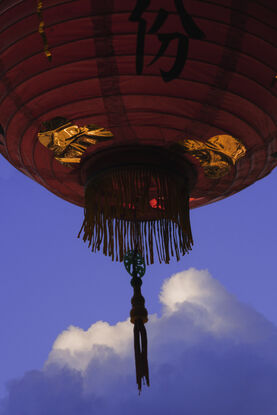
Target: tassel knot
x,y
138,311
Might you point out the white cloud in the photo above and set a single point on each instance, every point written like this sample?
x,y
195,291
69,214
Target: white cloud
x,y
208,354
215,310
192,286
76,347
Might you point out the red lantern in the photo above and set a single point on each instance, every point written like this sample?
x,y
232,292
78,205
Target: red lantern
x,y
152,105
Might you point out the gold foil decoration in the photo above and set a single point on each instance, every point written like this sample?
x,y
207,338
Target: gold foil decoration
x,y
69,141
41,30
217,155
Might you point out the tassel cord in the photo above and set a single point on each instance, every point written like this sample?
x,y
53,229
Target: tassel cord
x,y
135,266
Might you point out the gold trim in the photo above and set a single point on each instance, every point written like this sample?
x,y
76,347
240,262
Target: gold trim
x,y
69,141
217,155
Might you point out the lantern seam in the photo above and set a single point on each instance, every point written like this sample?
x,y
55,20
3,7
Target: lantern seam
x,y
269,90
153,11
210,42
18,109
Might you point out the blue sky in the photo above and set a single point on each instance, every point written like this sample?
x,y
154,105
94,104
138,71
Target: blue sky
x,y
51,281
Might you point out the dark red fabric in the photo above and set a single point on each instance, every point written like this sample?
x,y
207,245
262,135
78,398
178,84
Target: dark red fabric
x,y
224,88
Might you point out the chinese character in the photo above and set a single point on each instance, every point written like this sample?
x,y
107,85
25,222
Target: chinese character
x,y
192,32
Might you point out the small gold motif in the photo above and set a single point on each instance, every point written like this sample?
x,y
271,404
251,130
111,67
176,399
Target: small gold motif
x,y
217,155
69,141
41,30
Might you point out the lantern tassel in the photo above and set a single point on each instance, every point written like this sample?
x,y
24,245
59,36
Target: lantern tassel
x,y
140,345
139,316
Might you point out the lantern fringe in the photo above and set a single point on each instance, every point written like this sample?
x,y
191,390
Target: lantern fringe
x,y
137,207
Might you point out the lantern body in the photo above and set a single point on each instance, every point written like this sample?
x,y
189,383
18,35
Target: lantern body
x,y
225,87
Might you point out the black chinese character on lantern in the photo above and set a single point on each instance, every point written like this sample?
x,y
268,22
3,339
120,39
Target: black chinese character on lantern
x,y
190,27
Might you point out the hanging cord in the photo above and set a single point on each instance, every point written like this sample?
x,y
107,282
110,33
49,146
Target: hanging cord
x,y
135,265
41,30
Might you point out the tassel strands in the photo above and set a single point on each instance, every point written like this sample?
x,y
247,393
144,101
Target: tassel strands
x,y
41,30
140,346
158,198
